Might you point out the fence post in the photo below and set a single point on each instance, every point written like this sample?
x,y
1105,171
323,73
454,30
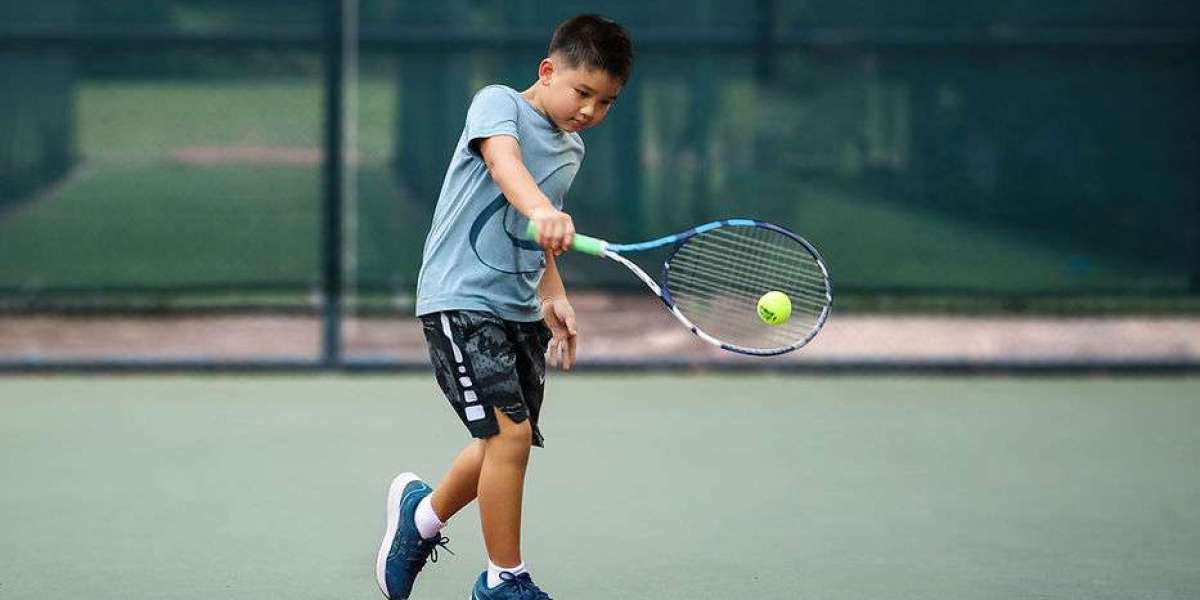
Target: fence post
x,y
333,171
764,40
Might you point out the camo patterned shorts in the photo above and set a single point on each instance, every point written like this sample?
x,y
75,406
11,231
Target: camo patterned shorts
x,y
483,362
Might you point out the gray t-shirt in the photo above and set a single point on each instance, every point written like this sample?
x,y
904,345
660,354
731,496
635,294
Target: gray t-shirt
x,y
476,257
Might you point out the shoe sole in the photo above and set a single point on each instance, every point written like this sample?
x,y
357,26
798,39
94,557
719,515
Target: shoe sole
x,y
393,522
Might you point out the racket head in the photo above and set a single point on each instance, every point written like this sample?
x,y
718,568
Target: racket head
x,y
716,274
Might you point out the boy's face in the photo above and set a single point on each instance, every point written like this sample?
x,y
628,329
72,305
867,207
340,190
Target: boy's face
x,y
576,98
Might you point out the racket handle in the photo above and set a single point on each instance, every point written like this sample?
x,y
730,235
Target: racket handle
x,y
581,243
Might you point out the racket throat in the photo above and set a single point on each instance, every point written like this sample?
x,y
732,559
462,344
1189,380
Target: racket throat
x,y
646,279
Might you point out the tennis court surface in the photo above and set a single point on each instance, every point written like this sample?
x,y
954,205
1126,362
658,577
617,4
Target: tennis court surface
x,y
650,487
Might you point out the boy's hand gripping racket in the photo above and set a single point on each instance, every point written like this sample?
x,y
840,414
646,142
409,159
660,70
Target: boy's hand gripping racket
x,y
742,285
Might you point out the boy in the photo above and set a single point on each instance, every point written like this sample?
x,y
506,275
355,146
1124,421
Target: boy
x,y
492,305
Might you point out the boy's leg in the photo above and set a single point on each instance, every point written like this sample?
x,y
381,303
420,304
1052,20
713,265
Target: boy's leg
x,y
501,485
461,483
491,371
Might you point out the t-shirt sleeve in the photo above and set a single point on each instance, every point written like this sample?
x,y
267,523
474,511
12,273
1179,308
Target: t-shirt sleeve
x,y
493,112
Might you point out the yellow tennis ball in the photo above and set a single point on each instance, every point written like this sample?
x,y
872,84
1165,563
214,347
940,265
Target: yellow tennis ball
x,y
774,308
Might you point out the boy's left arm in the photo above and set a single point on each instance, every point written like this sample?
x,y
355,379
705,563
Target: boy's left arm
x,y
559,316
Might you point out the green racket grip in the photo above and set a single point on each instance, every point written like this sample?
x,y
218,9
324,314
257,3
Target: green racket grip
x,y
582,243
588,245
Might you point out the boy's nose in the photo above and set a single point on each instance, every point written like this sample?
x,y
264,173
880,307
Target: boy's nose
x,y
586,109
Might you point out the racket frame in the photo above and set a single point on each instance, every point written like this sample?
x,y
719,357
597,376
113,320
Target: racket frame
x,y
615,252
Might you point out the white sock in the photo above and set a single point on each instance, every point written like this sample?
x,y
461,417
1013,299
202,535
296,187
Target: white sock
x,y
494,573
428,523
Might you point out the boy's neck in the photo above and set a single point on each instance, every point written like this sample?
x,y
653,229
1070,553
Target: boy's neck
x,y
531,94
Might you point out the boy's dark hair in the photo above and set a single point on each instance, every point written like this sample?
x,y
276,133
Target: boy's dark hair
x,y
596,42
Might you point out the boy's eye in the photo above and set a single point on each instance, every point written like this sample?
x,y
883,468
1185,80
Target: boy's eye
x,y
581,93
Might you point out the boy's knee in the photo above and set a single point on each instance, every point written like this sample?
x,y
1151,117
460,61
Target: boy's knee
x,y
513,433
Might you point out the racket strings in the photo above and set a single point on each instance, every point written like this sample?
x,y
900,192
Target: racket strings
x,y
754,244
738,303
776,266
750,290
771,259
772,262
716,279
802,282
723,317
730,311
722,325
717,317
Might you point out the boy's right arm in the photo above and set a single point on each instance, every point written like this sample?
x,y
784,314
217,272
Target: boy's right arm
x,y
502,155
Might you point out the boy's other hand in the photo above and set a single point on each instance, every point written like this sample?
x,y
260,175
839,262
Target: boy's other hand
x,y
555,229
560,318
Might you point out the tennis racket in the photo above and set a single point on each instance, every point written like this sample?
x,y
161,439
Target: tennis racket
x,y
716,273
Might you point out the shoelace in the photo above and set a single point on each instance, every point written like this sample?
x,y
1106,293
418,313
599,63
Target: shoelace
x,y
427,549
523,583
439,542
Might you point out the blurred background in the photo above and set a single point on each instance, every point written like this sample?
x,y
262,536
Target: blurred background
x,y
219,182
245,186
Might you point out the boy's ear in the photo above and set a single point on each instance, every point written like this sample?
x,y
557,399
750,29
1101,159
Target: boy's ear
x,y
545,70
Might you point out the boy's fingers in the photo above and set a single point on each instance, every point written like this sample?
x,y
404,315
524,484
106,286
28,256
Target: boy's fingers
x,y
548,236
568,234
571,352
561,356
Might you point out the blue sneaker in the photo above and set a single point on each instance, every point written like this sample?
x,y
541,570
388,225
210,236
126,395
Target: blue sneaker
x,y
403,552
515,587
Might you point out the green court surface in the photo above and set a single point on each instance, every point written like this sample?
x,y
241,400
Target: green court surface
x,y
650,487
